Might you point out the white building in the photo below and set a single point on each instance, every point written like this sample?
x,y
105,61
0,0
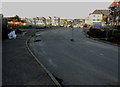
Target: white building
x,y
96,16
88,20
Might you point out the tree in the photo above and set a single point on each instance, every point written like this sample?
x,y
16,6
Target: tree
x,y
24,21
15,18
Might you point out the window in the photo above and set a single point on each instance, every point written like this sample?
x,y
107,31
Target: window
x,y
98,19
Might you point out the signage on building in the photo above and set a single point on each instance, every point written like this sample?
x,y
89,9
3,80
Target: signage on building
x,y
97,25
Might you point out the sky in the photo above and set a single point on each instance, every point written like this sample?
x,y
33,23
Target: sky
x,y
62,9
57,0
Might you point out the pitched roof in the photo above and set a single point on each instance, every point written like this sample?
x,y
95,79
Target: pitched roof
x,y
115,3
105,12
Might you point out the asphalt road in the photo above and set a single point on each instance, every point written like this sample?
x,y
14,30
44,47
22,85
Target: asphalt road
x,y
83,62
19,68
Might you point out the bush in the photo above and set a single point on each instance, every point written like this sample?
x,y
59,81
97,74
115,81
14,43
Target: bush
x,y
18,31
26,27
117,36
85,25
96,33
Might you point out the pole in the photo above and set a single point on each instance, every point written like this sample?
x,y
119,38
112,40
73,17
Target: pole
x,y
113,18
59,21
108,21
72,32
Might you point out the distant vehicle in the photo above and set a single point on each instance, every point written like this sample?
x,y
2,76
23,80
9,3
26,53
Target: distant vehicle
x,y
70,25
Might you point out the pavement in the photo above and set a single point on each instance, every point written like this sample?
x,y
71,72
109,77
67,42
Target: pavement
x,y
82,62
18,65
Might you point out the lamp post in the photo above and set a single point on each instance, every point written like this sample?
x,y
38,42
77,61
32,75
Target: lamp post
x,y
50,20
72,30
34,22
44,20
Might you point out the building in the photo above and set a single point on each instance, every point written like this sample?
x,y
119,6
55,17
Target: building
x,y
88,21
56,21
114,15
78,22
97,16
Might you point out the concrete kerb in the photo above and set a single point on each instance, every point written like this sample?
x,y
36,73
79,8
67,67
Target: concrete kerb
x,y
57,84
100,40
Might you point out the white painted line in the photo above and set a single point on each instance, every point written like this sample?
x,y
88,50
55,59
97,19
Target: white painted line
x,y
101,54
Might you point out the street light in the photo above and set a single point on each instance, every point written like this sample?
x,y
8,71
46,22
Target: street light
x,y
50,22
34,22
72,30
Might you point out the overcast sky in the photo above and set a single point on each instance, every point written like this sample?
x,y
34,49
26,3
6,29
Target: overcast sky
x,y
60,9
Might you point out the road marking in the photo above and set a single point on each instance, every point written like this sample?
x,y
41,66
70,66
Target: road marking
x,y
101,54
91,51
44,52
51,62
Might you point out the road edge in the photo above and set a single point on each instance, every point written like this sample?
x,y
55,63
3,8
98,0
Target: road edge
x,y
57,84
97,39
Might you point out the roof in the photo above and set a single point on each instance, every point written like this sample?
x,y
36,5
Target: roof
x,y
105,12
115,3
